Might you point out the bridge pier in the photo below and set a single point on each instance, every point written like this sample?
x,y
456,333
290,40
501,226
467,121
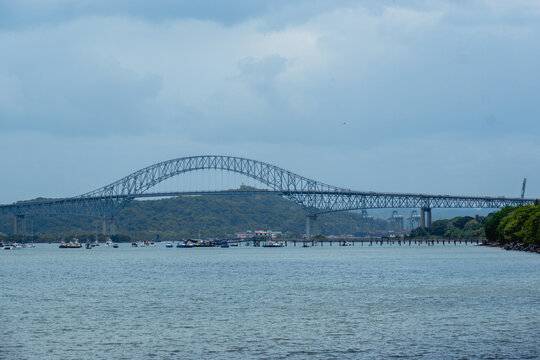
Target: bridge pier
x,y
423,212
109,227
312,226
19,225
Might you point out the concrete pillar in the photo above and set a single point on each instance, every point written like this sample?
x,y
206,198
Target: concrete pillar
x,y
423,223
19,225
109,227
312,226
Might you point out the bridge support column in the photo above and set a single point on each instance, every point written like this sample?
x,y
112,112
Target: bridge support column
x,y
312,226
109,227
19,225
423,212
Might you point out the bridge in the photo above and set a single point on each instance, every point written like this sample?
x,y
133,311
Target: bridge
x,y
312,196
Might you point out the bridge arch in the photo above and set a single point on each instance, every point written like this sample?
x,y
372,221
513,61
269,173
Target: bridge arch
x,y
291,185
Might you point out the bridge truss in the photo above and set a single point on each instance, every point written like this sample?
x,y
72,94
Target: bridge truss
x,y
312,196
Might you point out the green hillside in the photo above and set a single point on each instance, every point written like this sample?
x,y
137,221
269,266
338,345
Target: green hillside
x,y
209,216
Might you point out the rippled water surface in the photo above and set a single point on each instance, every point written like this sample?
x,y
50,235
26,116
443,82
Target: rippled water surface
x,y
436,302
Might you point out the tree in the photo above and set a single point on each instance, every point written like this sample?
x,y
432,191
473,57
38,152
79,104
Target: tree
x,y
493,221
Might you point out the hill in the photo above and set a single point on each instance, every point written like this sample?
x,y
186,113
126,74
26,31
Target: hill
x,y
209,216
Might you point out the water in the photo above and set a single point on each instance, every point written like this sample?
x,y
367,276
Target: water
x,y
451,302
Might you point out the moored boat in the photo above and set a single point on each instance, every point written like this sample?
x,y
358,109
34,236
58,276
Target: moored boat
x,y
273,244
73,244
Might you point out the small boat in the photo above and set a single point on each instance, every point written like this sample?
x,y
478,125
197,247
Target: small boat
x,y
181,244
134,244
224,244
109,242
152,244
31,245
115,245
234,244
88,245
306,245
73,244
168,245
8,247
273,244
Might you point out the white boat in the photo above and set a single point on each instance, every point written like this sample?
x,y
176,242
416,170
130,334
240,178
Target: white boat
x,y
273,244
168,245
109,242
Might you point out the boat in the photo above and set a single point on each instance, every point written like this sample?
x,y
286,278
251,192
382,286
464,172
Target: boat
x,y
134,244
234,244
88,245
181,244
273,244
168,245
8,247
73,244
109,242
31,245
224,244
115,245
306,245
152,244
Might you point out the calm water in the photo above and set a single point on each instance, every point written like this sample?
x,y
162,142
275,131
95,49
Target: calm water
x,y
451,302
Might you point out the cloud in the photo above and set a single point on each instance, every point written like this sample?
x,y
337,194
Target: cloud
x,y
300,82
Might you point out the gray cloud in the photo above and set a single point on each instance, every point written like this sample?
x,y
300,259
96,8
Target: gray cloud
x,y
430,90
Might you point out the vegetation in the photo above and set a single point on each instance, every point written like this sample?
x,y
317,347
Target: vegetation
x,y
198,216
515,224
459,227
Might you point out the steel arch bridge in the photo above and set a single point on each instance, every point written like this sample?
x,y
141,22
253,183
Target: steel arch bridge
x,y
313,196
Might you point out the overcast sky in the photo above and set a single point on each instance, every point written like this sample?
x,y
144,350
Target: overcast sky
x,y
437,97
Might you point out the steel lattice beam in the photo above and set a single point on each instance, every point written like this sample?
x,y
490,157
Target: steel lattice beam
x,y
313,196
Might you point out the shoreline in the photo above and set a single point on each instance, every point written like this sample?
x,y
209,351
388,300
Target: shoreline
x,y
516,246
